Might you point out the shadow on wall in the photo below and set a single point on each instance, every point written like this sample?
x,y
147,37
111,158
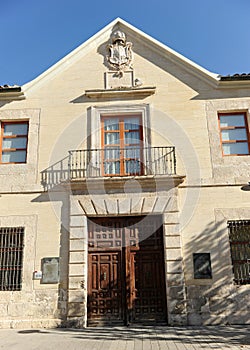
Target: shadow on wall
x,y
209,301
55,174
218,300
52,180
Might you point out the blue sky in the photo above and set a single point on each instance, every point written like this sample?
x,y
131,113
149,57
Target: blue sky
x,y
36,34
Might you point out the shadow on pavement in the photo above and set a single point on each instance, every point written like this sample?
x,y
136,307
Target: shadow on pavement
x,y
219,336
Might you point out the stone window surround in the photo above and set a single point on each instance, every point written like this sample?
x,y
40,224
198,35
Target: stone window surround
x,y
246,127
94,121
12,137
29,222
238,256
30,115
215,108
10,180
224,168
12,247
222,216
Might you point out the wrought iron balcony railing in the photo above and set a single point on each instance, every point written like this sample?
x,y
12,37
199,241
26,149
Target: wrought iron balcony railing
x,y
114,161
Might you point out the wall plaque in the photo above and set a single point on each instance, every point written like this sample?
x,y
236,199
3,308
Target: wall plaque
x,y
50,270
202,266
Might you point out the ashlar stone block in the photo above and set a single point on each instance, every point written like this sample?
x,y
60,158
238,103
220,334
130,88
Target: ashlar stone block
x,y
76,296
3,310
17,310
173,254
76,309
78,221
76,282
77,232
76,269
77,257
174,266
112,207
194,319
77,244
124,205
173,241
177,320
176,292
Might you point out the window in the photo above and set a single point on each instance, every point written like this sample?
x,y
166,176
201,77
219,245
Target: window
x,y
14,139
11,258
234,133
239,237
121,145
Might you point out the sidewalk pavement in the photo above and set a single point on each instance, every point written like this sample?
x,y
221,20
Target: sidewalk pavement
x,y
128,338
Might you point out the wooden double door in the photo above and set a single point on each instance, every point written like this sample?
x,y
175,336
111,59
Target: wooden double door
x,y
126,279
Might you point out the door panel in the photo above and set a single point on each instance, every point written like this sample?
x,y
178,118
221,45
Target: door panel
x,y
149,296
126,270
105,292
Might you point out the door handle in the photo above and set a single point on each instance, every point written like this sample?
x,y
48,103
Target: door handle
x,y
104,276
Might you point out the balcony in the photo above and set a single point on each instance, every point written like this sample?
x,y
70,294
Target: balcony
x,y
111,167
122,162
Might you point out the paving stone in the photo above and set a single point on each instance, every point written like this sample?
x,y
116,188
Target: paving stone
x,y
127,338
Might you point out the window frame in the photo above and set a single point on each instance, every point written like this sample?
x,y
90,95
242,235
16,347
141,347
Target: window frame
x,y
122,145
245,127
15,136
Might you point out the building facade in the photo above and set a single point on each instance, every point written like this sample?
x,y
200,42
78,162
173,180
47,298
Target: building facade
x,y
124,196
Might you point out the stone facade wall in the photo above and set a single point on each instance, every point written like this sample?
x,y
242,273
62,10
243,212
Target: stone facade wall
x,y
217,300
30,307
36,309
182,112
211,305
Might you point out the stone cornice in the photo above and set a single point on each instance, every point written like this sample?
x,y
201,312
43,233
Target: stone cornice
x,y
121,92
10,94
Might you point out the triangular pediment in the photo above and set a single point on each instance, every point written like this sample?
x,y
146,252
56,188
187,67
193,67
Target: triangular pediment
x,y
103,36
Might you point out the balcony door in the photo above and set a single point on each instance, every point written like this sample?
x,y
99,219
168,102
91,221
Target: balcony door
x,y
121,145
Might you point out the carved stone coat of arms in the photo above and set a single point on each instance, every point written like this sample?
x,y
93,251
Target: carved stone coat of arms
x,y
120,52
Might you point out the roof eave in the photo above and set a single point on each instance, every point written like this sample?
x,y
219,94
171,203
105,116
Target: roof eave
x,y
11,93
234,84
